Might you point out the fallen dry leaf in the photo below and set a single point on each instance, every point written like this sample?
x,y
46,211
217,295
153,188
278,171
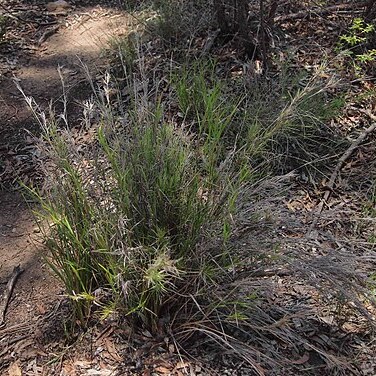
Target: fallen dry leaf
x,y
40,308
14,370
69,369
102,372
83,363
163,370
301,360
111,349
181,364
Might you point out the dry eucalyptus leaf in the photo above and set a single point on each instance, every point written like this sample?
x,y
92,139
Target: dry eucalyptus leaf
x,y
14,370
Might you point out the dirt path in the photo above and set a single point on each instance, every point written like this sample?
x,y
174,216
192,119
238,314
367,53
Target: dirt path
x,y
79,41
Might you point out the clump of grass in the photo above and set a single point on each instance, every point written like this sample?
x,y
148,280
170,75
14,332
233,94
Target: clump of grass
x,y
281,125
211,114
132,222
181,20
125,50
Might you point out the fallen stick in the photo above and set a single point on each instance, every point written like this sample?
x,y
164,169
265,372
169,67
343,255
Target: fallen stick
x,y
263,273
341,161
8,293
48,33
209,43
318,11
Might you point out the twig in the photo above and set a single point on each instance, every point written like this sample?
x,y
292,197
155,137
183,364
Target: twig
x,y
8,292
209,42
340,164
318,11
15,329
251,273
48,33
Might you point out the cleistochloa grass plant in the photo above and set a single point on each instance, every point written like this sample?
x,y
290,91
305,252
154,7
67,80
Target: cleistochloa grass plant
x,y
128,220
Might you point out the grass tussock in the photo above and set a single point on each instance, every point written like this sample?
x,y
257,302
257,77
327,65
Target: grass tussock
x,y
132,220
280,125
174,21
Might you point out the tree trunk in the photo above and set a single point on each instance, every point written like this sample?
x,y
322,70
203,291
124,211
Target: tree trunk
x,y
220,9
241,20
272,12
